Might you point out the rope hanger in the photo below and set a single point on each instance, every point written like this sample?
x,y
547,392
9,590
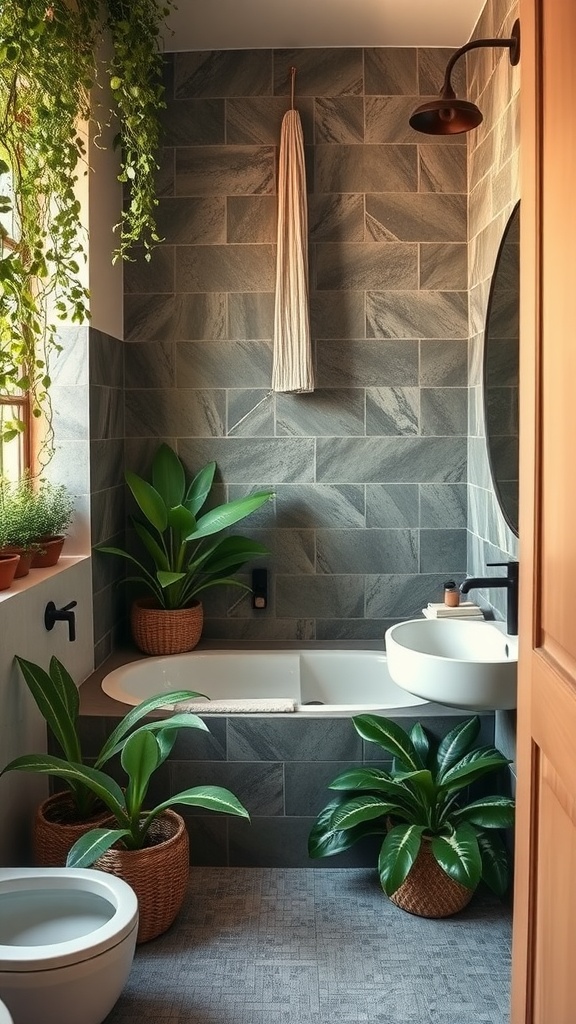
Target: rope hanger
x,y
292,84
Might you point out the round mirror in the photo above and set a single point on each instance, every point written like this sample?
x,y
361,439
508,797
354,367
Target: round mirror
x,y
501,364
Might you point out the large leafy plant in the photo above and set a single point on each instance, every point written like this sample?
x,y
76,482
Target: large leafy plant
x,y
49,67
184,554
423,797
142,751
56,696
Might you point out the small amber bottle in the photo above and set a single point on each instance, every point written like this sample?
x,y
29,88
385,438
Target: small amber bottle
x,y
451,594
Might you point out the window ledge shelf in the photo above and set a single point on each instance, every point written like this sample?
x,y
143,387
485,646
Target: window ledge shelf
x,y
36,576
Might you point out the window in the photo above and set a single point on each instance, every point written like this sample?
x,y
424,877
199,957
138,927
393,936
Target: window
x,y
15,455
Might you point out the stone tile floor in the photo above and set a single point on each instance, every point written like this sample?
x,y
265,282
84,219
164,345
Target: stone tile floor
x,y
317,946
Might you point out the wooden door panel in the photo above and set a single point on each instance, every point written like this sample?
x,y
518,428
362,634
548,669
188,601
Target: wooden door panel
x,y
544,965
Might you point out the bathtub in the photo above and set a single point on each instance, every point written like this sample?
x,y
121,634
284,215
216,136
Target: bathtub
x,y
321,682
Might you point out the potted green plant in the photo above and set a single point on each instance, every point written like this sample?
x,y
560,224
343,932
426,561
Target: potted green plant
x,y
52,510
18,525
438,843
8,561
148,847
184,553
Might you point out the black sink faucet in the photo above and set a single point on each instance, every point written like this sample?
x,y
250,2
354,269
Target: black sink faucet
x,y
510,581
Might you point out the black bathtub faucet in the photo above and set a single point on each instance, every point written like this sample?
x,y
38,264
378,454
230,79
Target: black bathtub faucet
x,y
510,581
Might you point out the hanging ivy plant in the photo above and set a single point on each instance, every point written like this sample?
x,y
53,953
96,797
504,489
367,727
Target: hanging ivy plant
x,y
48,67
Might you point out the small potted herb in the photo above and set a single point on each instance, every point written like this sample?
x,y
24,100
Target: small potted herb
x,y
52,511
17,522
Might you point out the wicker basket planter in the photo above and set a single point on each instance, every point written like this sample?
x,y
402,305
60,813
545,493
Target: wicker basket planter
x,y
157,631
158,873
55,830
428,891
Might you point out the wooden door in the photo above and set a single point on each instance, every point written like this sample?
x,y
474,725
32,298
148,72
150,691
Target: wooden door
x,y
544,943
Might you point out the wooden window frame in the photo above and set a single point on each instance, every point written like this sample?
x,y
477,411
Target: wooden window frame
x,y
22,403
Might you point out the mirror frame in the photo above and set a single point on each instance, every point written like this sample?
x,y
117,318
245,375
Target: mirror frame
x,y
495,484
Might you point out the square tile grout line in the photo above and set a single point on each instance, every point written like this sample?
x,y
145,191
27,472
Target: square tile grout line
x,y
317,946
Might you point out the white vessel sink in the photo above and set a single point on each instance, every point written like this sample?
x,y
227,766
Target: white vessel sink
x,y
471,665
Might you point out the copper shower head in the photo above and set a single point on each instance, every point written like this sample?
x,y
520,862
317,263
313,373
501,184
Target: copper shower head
x,y
448,115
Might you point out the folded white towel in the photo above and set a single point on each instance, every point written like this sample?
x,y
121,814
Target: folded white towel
x,y
232,706
453,613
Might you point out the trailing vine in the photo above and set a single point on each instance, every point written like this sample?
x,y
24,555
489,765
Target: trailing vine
x,y
48,67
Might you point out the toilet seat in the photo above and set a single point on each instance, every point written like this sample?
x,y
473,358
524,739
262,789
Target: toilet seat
x,y
87,911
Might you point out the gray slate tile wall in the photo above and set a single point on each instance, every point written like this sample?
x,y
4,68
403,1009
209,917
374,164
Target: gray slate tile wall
x,y
370,470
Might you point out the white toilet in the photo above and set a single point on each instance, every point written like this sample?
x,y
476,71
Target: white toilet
x,y
67,939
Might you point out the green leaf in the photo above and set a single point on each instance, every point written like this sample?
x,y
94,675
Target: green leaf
x,y
390,736
487,812
104,787
459,856
67,687
181,520
495,862
200,488
398,852
325,841
470,768
92,845
421,784
456,743
157,553
228,553
374,779
168,476
166,579
56,705
421,742
226,515
140,757
212,798
149,501
361,808
159,700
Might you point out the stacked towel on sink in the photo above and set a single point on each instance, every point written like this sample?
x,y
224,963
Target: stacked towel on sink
x,y
465,610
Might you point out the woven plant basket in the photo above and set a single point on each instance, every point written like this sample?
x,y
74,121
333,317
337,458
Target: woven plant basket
x,y
158,873
158,631
54,831
428,891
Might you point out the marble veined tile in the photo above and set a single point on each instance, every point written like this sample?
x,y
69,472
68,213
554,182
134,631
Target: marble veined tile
x,y
443,506
319,505
390,71
391,459
326,412
365,168
223,73
425,217
250,413
225,268
403,314
249,460
443,363
198,122
258,120
392,506
339,119
250,315
366,265
392,410
320,596
336,217
319,71
367,363
225,364
158,412
224,170
183,220
442,168
367,551
388,120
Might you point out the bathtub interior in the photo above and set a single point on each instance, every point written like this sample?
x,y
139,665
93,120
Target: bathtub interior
x,y
317,680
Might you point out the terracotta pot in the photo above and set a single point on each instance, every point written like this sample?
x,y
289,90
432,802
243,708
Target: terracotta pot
x,y
158,873
48,553
26,554
56,829
8,567
158,631
428,891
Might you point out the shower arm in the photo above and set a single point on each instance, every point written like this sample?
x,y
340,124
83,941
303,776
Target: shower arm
x,y
447,92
